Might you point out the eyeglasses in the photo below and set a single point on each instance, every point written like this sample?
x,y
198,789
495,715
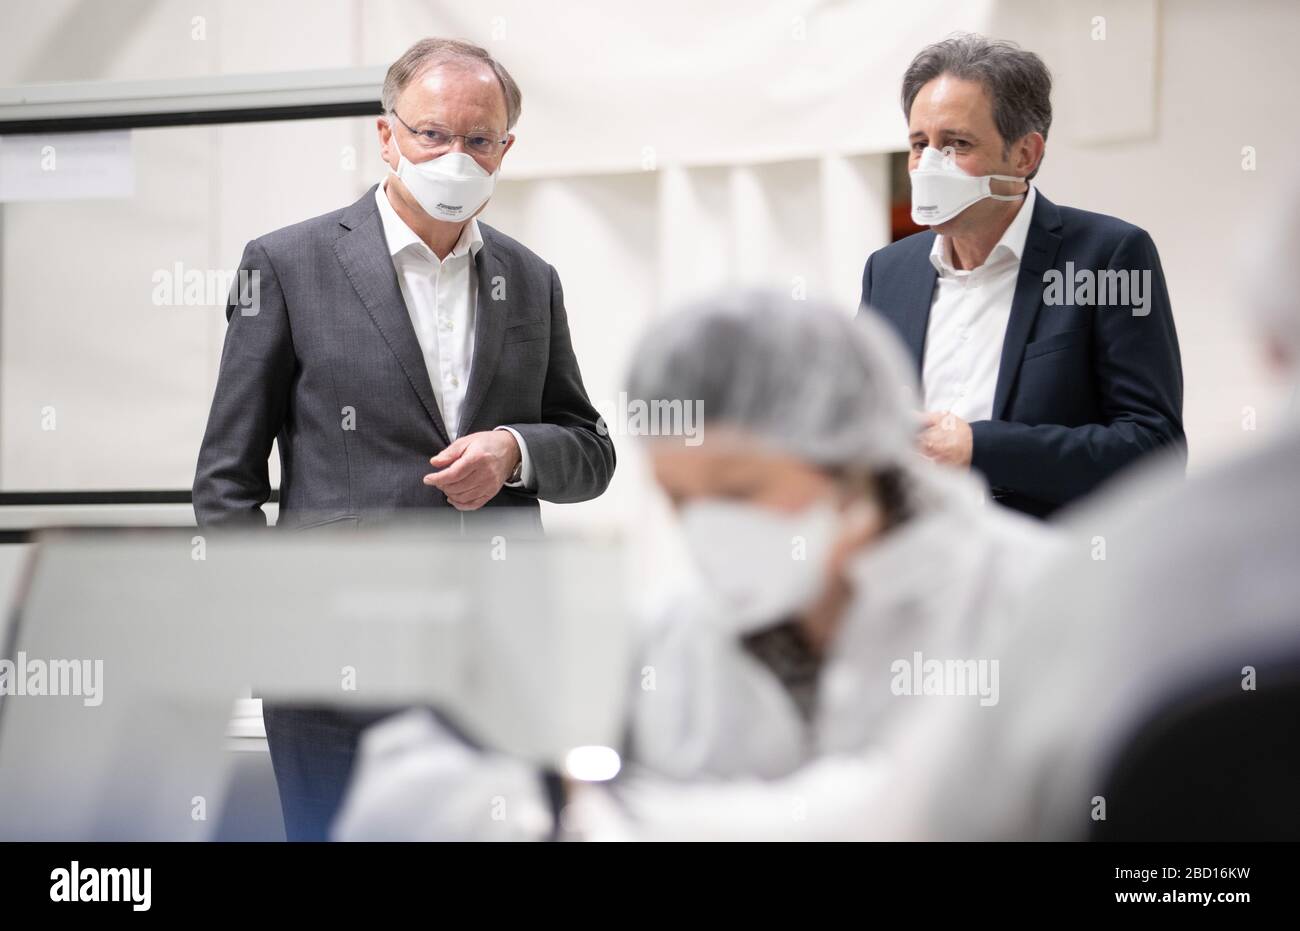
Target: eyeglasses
x,y
436,139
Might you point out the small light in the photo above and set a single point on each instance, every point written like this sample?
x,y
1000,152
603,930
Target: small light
x,y
592,764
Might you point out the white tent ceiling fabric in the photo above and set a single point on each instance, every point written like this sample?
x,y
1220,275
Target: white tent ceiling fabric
x,y
636,86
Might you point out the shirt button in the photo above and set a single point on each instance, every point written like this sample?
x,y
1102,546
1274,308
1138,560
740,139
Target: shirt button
x,y
453,380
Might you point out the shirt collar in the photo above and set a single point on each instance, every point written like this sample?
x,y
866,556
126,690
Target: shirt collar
x,y
400,236
1011,244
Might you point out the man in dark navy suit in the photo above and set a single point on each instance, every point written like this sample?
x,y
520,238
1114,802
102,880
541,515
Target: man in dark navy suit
x,y
1043,334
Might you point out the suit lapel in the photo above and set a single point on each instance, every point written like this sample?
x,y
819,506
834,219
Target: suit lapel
x,y
491,313
1041,246
915,312
907,305
363,253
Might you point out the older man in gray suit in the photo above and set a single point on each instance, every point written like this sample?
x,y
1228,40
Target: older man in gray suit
x,y
405,356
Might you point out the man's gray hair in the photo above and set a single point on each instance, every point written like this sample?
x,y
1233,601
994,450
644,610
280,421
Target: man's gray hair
x,y
427,53
1016,80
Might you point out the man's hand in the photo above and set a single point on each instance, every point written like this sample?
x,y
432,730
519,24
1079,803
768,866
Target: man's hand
x,y
946,438
474,467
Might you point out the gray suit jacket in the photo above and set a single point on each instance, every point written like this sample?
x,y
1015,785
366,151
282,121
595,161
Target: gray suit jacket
x,y
322,357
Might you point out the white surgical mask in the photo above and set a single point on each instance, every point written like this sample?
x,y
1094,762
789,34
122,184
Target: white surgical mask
x,y
451,187
761,564
941,190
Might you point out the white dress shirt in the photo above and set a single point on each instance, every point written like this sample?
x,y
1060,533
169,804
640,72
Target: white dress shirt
x,y
968,322
442,298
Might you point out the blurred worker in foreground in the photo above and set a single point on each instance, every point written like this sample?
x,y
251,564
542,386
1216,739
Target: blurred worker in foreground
x,y
833,559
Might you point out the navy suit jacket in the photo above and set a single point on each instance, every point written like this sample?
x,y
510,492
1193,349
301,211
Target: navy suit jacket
x,y
1082,391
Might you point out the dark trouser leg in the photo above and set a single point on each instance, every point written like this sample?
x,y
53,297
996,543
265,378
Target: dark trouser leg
x,y
312,750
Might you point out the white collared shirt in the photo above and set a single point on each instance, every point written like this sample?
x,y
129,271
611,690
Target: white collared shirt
x,y
968,323
441,297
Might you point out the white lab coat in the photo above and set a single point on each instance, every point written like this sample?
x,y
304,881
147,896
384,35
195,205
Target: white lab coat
x,y
936,585
717,746
719,750
1197,578
1158,584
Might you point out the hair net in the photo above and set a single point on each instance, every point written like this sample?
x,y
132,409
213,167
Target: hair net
x,y
795,375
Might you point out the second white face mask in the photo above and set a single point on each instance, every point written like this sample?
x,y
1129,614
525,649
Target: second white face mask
x,y
941,190
451,187
761,564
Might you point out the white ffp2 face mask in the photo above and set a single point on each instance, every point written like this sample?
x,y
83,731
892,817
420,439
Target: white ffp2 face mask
x,y
762,565
451,187
941,190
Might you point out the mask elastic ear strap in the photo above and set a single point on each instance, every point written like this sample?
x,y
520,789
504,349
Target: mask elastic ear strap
x,y
1008,178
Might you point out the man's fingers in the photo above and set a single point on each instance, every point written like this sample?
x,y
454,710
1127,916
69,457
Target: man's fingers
x,y
458,471
927,442
473,484
466,494
471,503
462,483
450,454
466,478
